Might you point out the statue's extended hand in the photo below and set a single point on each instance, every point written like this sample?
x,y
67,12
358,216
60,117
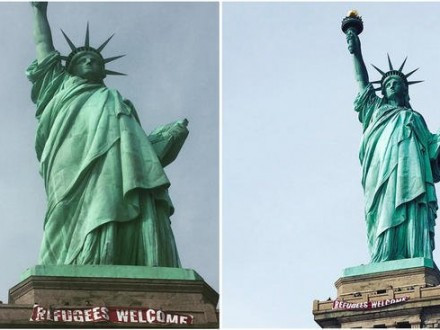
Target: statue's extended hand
x,y
42,5
183,122
354,44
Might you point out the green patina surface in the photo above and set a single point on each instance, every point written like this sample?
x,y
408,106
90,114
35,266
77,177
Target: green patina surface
x,y
107,191
400,161
112,271
388,266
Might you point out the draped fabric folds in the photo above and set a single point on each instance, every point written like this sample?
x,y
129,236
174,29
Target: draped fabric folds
x,y
106,188
399,158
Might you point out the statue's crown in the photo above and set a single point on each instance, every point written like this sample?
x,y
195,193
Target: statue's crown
x,y
394,73
78,51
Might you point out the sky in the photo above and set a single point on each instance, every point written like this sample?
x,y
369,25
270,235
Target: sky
x,y
292,195
172,65
291,178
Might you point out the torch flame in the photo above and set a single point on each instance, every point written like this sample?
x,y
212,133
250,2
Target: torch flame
x,y
353,13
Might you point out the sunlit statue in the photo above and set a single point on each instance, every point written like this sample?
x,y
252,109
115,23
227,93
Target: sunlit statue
x,y
399,158
107,197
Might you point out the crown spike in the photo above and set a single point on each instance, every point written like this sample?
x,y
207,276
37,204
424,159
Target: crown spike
x,y
408,74
415,82
380,71
394,73
71,45
114,73
403,64
87,41
110,59
100,48
389,62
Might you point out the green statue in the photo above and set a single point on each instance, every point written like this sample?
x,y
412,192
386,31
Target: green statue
x,y
107,191
400,161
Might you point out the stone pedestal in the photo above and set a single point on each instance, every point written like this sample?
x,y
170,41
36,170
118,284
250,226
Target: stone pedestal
x,y
172,290
418,284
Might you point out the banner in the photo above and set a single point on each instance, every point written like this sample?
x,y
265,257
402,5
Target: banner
x,y
340,304
108,314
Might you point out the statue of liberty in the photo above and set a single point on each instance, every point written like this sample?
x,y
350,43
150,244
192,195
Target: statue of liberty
x,y
400,161
107,192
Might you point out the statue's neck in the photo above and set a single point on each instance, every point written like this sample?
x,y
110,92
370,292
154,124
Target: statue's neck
x,y
397,102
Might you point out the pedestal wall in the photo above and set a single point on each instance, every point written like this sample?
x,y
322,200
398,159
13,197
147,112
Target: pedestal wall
x,y
173,291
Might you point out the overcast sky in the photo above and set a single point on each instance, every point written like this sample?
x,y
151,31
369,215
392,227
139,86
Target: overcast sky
x,y
172,66
292,196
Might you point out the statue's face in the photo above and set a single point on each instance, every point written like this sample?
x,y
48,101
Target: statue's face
x,y
395,87
88,66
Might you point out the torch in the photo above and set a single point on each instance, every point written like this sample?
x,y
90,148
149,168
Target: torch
x,y
352,22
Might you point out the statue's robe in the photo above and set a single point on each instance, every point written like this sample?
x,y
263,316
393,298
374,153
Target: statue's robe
x,y
106,188
399,158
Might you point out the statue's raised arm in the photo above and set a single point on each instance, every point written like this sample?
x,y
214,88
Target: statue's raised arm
x,y
354,47
352,26
41,31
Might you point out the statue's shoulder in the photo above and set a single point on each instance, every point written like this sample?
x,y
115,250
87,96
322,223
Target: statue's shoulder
x,y
419,116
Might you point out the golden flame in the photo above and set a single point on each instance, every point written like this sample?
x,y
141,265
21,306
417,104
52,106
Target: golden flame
x,y
353,13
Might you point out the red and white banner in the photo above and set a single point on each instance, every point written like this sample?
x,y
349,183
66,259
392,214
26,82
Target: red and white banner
x,y
340,304
108,314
